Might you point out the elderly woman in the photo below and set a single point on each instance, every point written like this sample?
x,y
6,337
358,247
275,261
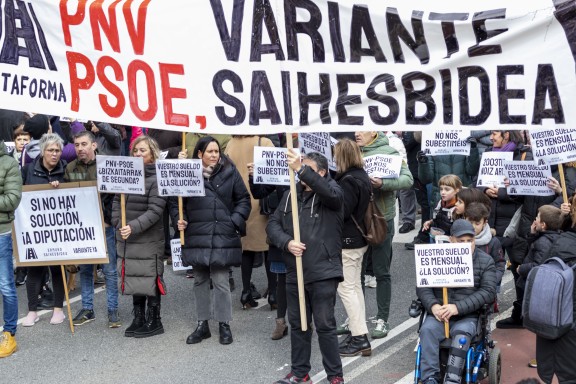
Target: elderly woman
x,y
214,224
46,168
140,245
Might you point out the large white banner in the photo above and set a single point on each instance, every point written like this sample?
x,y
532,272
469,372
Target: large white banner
x,y
58,225
253,66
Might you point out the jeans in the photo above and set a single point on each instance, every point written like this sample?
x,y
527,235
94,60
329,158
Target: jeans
x,y
110,273
431,334
320,299
222,299
381,262
7,285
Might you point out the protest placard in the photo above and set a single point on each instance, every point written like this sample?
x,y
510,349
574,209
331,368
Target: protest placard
x,y
176,249
446,142
120,174
320,142
56,226
180,178
444,265
491,171
528,178
270,166
10,146
383,166
553,145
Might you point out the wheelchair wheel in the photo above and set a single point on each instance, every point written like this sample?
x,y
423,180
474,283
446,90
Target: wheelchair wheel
x,y
495,366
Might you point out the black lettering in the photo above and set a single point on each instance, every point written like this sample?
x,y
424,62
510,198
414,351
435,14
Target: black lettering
x,y
448,29
397,31
546,85
219,78
464,74
263,14
261,87
345,99
335,35
505,94
287,97
362,25
423,96
323,98
310,28
389,101
482,34
447,103
230,42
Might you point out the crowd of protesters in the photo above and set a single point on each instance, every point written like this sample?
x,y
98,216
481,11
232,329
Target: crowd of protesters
x,y
242,224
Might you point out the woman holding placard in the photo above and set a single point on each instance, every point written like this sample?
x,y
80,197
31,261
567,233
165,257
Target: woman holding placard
x,y
46,168
140,245
376,143
214,224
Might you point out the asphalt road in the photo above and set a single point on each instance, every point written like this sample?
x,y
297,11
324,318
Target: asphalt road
x,y
96,354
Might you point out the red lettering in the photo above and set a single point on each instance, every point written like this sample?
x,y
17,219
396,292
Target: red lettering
x,y
71,19
137,34
110,28
77,83
133,68
103,63
169,93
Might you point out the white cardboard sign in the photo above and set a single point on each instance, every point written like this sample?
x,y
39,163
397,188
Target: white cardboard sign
x,y
270,166
383,166
528,178
444,265
180,178
176,249
491,171
554,146
120,174
446,142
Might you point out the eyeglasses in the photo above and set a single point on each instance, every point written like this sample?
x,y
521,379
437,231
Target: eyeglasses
x,y
53,151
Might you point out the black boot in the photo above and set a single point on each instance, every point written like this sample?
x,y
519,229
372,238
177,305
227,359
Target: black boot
x,y
247,300
225,333
202,332
153,326
515,321
255,294
139,319
272,300
356,345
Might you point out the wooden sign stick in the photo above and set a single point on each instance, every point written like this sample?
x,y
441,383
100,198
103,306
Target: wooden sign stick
x,y
180,200
445,300
123,209
296,224
563,183
67,298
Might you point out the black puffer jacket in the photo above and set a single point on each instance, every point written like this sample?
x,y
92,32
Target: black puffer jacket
x,y
470,299
217,220
564,248
356,186
140,256
539,252
321,216
35,173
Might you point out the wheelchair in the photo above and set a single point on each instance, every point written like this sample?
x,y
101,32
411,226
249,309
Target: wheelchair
x,y
483,359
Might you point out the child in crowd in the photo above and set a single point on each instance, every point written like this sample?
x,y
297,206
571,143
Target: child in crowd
x,y
544,232
477,214
21,138
467,196
449,186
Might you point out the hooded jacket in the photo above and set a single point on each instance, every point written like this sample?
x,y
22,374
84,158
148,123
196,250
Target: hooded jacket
x,y
10,188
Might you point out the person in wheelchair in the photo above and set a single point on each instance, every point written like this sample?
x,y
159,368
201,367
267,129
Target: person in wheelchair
x,y
461,313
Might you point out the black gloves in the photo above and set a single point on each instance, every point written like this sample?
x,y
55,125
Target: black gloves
x,y
472,140
421,157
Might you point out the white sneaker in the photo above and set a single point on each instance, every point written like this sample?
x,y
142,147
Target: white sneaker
x,y
370,281
381,330
344,329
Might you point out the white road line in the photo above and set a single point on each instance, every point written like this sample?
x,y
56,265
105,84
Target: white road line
x,y
375,344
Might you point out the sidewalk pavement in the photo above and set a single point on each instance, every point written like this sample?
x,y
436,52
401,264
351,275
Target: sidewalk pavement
x,y
518,347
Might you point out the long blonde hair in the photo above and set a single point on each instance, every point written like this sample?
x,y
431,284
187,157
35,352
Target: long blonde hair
x,y
347,155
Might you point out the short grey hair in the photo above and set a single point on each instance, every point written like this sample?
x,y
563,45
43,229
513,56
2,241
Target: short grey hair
x,y
50,138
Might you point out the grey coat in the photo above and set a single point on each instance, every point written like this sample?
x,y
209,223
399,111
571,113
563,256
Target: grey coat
x,y
470,299
140,256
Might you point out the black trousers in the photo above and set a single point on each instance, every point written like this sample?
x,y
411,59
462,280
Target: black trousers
x,y
320,301
556,357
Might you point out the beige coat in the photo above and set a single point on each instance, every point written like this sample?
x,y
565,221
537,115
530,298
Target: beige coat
x,y
240,149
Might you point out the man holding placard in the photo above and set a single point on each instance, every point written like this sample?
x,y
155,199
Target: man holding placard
x,y
461,311
10,195
84,169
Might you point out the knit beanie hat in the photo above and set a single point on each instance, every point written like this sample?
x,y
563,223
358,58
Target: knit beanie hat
x,y
37,126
